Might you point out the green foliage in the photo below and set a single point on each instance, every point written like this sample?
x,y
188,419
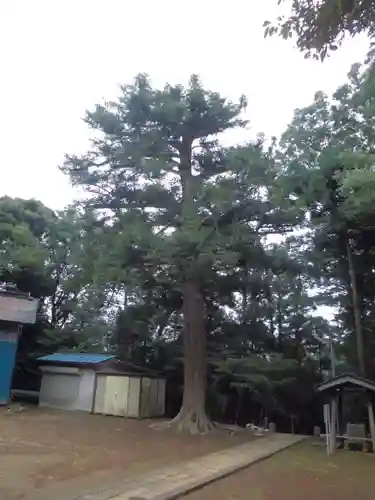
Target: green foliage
x,y
42,254
23,227
320,26
153,147
328,155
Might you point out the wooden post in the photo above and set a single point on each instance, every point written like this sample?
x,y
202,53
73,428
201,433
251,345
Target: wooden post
x,y
340,409
327,426
333,424
371,423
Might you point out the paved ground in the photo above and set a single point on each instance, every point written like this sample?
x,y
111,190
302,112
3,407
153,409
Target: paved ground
x,y
50,454
170,482
301,472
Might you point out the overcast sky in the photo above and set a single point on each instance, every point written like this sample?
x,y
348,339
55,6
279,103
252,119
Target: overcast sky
x,y
58,58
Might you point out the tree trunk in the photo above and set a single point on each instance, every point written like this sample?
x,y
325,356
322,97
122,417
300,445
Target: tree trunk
x,y
245,296
279,319
192,417
371,423
356,311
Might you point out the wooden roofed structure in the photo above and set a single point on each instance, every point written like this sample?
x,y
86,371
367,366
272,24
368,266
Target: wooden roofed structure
x,y
335,390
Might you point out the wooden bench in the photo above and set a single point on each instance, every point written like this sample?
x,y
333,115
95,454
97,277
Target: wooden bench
x,y
356,434
346,440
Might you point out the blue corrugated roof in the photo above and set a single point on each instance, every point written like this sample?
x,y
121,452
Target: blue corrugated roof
x,y
79,357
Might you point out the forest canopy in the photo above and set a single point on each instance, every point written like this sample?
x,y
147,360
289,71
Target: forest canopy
x,y
205,262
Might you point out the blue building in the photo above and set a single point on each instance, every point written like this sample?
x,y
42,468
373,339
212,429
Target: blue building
x,y
16,309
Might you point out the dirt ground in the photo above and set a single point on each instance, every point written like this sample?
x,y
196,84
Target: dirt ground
x,y
44,453
301,472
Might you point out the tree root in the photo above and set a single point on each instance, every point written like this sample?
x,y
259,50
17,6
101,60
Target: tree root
x,y
188,422
233,429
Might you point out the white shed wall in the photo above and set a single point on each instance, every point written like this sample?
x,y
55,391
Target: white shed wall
x,y
67,388
59,390
86,391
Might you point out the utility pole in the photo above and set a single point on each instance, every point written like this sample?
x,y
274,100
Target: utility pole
x,y
328,343
332,358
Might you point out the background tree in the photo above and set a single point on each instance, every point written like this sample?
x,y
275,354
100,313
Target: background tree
x,y
39,254
320,26
327,151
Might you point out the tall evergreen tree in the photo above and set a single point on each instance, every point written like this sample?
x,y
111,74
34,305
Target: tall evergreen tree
x,y
180,202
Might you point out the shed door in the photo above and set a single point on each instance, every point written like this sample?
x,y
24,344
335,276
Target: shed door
x,y
116,395
60,389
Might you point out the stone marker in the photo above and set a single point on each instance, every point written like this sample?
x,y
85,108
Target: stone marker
x,y
317,431
272,427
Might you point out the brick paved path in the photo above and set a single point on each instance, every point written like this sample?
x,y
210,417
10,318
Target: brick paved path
x,y
170,482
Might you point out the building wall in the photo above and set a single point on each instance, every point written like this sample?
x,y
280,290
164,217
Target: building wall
x,y
134,394
99,396
8,349
18,310
86,391
67,388
59,390
162,392
145,406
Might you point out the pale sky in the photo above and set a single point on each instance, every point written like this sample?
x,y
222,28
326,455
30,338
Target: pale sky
x,y
58,58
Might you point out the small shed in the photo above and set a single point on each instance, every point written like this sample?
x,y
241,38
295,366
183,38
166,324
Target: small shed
x,y
68,380
102,384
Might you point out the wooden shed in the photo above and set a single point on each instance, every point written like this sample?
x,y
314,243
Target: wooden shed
x,y
68,379
100,383
132,395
